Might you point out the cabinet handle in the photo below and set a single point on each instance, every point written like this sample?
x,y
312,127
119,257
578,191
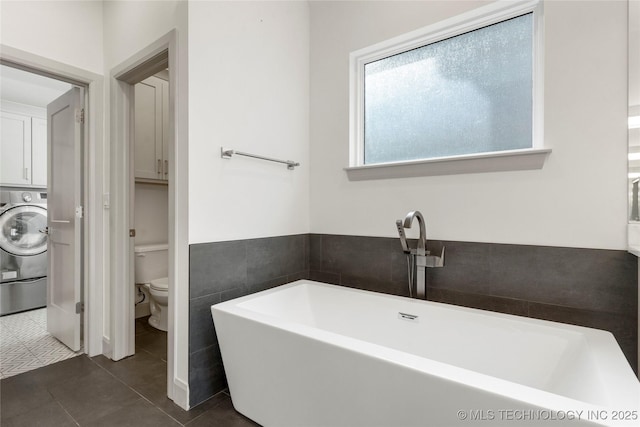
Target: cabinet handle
x,y
166,167
26,174
159,168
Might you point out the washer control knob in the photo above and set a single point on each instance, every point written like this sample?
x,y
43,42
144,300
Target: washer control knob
x,y
26,197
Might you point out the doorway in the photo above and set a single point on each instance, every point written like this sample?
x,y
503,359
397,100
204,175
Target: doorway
x,y
156,58
150,195
33,331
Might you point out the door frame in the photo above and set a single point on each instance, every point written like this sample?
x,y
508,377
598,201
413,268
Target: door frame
x,y
159,55
94,242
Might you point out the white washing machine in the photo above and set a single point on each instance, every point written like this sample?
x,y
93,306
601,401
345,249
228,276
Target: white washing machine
x,y
23,250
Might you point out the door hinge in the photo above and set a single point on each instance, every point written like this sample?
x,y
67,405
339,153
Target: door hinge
x,y
79,307
132,232
80,115
79,211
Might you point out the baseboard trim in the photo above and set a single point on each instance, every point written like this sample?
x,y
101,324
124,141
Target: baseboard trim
x,y
107,350
180,393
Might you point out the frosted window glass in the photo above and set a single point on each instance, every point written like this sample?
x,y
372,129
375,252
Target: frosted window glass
x,y
471,93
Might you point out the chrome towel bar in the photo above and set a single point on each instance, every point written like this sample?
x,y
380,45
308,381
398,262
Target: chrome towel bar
x,y
227,154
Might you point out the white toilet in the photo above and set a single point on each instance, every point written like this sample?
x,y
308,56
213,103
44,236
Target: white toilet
x,y
152,271
159,291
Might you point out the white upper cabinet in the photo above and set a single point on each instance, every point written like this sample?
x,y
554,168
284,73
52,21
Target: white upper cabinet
x,y
151,105
15,149
23,146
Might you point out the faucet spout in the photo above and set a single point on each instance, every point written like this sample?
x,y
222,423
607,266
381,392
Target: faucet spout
x,y
422,240
418,259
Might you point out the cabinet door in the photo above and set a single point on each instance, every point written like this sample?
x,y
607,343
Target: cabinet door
x,y
148,129
15,149
39,152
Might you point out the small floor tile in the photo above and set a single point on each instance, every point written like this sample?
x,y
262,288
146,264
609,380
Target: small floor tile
x,y
26,345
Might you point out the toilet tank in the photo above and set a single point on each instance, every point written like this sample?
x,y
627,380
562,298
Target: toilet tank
x,y
151,262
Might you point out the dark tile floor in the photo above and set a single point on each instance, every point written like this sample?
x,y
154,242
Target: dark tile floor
x,y
96,391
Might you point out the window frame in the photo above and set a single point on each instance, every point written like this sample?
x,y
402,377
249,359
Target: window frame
x,y
520,159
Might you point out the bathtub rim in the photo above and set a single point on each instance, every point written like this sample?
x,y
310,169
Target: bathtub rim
x,y
519,392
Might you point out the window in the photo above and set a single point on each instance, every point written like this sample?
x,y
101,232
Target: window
x,y
464,89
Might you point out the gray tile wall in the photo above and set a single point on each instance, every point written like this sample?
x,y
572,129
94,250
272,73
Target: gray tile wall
x,y
224,270
588,287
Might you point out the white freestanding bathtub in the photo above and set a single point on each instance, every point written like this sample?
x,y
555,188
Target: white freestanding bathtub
x,y
312,354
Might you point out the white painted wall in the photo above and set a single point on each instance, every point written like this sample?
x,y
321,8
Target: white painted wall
x,y
249,91
577,200
151,214
130,27
66,31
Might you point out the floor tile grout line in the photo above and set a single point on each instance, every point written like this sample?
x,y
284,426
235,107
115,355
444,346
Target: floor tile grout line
x,y
204,412
191,421
134,390
154,355
65,410
54,399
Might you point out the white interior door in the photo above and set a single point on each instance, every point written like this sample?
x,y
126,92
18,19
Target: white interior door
x,y
64,185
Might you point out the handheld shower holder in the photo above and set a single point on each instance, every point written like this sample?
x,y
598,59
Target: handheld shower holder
x,y
435,260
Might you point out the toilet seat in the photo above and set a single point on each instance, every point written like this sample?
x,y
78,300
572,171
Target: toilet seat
x,y
161,284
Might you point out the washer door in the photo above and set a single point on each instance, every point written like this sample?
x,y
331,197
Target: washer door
x,y
20,230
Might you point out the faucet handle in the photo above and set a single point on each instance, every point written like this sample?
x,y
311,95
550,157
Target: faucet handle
x,y
434,260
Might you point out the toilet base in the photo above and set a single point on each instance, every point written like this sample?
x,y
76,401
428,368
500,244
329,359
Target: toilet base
x,y
154,321
158,306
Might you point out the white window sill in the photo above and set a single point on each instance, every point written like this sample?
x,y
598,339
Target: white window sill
x,y
498,161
